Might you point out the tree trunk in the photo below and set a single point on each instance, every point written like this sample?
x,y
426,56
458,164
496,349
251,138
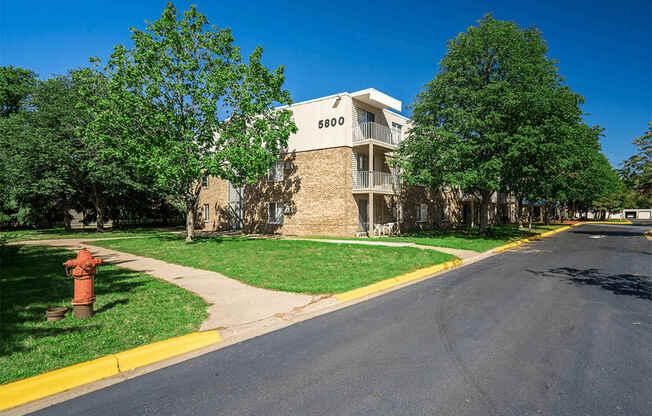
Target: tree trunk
x,y
99,214
546,213
530,213
67,218
190,221
519,212
484,211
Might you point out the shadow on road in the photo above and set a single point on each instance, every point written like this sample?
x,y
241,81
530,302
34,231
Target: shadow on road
x,y
613,233
621,284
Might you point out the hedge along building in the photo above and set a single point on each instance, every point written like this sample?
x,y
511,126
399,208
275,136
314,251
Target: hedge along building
x,y
334,179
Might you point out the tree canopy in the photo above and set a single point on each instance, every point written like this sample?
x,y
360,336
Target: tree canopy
x,y
637,170
498,117
183,103
493,99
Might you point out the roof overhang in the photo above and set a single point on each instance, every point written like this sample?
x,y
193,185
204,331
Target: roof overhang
x,y
376,98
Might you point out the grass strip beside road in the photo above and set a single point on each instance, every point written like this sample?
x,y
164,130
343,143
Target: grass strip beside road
x,y
461,239
288,265
133,309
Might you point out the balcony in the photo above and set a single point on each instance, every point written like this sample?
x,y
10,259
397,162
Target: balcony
x,y
379,181
370,130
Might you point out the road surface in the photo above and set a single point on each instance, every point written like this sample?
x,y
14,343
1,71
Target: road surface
x,y
561,326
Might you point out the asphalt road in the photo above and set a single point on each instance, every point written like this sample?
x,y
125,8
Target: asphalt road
x,y
562,326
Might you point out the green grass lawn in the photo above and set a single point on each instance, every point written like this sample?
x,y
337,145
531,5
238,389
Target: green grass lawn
x,y
463,239
289,265
132,309
59,233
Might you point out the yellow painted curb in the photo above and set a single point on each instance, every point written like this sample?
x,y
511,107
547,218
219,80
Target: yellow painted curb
x,y
158,351
604,222
532,238
46,384
56,381
393,281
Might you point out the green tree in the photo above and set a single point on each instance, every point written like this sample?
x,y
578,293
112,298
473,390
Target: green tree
x,y
183,104
637,170
468,116
50,162
538,162
592,180
15,86
40,145
109,179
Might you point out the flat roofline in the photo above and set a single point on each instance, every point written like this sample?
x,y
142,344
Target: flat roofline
x,y
376,98
314,100
370,96
398,115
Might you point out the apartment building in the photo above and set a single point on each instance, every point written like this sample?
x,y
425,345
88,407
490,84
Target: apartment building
x,y
336,177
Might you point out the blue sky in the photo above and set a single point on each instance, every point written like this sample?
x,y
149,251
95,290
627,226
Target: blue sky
x,y
604,47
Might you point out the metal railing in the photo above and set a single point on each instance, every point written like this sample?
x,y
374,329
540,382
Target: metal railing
x,y
370,130
382,181
386,181
360,179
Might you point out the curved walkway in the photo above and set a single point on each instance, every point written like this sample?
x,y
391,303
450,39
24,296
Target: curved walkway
x,y
232,303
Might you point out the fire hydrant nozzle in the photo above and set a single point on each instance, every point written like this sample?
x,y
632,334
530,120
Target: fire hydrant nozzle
x,y
82,269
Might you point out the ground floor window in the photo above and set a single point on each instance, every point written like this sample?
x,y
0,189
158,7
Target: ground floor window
x,y
275,213
422,212
207,212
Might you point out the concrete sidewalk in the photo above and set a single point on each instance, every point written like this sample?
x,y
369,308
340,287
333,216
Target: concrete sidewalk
x,y
232,303
462,254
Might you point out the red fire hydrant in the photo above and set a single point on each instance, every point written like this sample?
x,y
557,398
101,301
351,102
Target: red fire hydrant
x,y
82,269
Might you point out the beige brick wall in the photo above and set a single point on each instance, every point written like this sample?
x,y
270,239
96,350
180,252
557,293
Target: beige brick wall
x,y
215,196
316,187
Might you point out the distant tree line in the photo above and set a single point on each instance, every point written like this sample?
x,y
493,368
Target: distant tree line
x,y
498,117
136,136
49,165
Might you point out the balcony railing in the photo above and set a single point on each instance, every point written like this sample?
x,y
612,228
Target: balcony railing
x,y
360,179
380,181
370,130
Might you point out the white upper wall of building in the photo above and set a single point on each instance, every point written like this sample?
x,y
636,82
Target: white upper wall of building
x,y
328,122
376,98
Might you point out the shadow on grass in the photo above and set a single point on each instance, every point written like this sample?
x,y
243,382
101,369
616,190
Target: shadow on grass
x,y
112,305
57,233
199,239
497,232
638,286
33,279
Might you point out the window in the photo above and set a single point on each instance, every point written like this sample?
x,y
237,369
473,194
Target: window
x,y
366,116
275,213
204,182
422,213
396,132
207,212
275,173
